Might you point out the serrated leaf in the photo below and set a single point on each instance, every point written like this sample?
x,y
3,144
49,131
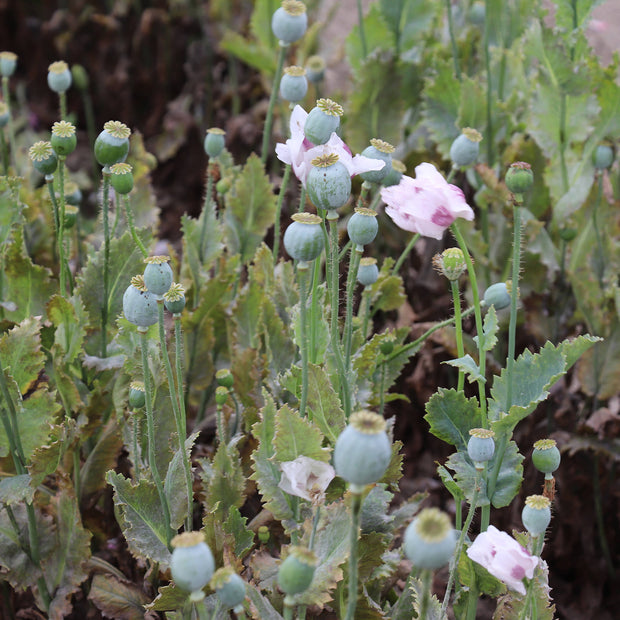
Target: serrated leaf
x,y
235,525
599,368
100,459
252,54
468,366
451,416
69,320
324,404
227,482
117,599
175,485
297,436
21,354
574,348
259,606
142,520
374,513
15,490
489,329
471,574
448,481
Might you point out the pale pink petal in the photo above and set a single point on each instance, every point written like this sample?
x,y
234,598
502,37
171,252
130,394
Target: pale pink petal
x,y
297,121
284,153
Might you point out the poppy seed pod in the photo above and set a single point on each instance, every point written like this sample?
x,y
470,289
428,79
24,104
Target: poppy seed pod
x,y
137,395
157,274
174,298
43,157
121,178
497,295
536,514
481,446
429,539
381,150
294,84
465,148
8,63
192,564
297,571
362,226
368,272
139,306
322,121
214,141
63,138
328,183
304,239
290,22
519,177
546,456
59,77
112,144
229,587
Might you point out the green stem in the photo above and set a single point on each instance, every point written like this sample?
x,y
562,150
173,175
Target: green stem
x,y
276,229
106,261
315,523
600,258
354,263
7,99
289,609
302,199
427,582
455,50
489,91
563,166
178,414
500,449
272,101
205,207
458,328
353,554
366,301
302,274
405,253
150,429
360,18
89,113
314,309
136,442
61,228
62,99
5,161
132,227
49,181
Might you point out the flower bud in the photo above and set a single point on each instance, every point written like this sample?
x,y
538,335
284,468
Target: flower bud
x,y
121,178
225,378
139,306
603,157
382,151
315,69
304,239
464,150
112,144
362,226
481,446
192,564
63,138
363,450
290,21
536,514
8,63
157,274
80,77
263,534
137,395
497,295
395,173
229,587
294,84
322,121
546,456
59,76
519,177
328,182
214,141
451,263
174,299
71,213
43,157
429,539
368,272
297,571
568,234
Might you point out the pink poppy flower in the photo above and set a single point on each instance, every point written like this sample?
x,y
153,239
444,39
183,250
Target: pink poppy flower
x,y
503,557
299,152
427,204
306,478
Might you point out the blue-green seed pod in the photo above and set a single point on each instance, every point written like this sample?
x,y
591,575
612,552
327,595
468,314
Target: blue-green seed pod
x,y
139,306
192,564
481,445
229,587
63,138
137,395
362,226
43,157
157,274
297,571
363,450
322,121
8,63
603,157
112,144
368,272
477,13
290,22
381,150
519,177
59,77
121,178
4,114
429,539
497,295
395,173
465,149
294,84
315,69
546,456
536,514
328,183
304,239
174,298
214,141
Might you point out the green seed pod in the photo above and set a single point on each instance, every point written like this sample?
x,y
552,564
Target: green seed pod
x,y
225,378
157,274
8,63
80,77
497,295
192,564
429,539
174,298
223,185
112,144
519,177
297,571
363,450
290,22
382,151
536,514
465,149
73,194
451,263
603,157
263,534
328,183
221,395
546,456
121,178
315,69
71,213
137,395
59,76
368,272
568,234
362,226
63,138
214,141
229,587
294,84
303,238
43,157
139,306
481,446
322,121
395,173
